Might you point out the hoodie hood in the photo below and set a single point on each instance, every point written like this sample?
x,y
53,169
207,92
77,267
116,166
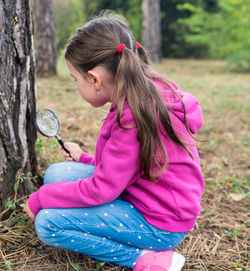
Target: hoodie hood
x,y
193,109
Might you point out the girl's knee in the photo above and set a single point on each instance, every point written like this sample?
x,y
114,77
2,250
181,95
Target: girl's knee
x,y
67,171
42,223
44,226
177,239
53,172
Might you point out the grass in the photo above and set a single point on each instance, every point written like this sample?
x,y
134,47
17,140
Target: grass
x,y
220,240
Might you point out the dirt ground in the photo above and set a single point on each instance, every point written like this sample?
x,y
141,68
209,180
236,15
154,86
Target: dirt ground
x,y
220,240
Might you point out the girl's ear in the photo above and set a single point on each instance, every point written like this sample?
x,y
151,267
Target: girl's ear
x,y
95,79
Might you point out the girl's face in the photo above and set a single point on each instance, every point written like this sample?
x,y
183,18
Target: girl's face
x,y
90,88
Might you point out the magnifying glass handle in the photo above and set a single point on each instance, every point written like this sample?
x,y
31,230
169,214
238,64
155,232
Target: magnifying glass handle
x,y
61,143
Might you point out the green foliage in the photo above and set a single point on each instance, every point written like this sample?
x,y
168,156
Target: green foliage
x,y
47,150
232,234
75,266
99,265
240,266
27,178
20,219
225,33
235,185
246,141
134,17
8,265
11,204
69,15
45,144
190,28
173,32
130,9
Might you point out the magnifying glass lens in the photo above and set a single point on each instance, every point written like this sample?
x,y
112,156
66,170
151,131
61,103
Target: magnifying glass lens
x,y
47,123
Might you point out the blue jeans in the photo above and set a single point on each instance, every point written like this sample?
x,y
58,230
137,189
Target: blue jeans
x,y
114,232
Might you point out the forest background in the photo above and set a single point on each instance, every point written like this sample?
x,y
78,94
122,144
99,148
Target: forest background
x,y
190,29
205,51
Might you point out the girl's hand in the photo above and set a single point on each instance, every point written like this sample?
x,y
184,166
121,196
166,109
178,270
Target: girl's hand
x,y
74,149
28,211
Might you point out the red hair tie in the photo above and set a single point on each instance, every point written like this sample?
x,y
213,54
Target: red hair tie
x,y
138,46
120,47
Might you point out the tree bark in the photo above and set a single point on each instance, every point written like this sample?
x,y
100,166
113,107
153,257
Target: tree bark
x,y
151,30
44,38
17,95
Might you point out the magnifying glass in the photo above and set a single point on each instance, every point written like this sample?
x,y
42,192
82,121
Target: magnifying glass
x,y
48,124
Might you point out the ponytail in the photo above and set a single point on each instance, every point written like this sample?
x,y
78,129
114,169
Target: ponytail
x,y
146,104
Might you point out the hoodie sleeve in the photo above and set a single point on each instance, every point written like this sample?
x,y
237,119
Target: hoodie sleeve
x,y
116,170
87,159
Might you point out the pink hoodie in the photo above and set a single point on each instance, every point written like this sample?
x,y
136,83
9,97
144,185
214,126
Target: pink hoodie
x,y
172,204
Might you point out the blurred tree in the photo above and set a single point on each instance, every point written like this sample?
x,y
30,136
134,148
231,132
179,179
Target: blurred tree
x,y
172,33
225,33
174,43
44,37
151,33
17,96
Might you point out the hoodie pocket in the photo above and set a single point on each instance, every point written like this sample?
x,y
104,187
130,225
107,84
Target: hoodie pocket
x,y
173,202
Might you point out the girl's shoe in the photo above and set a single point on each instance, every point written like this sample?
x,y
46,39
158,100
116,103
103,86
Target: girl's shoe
x,y
160,261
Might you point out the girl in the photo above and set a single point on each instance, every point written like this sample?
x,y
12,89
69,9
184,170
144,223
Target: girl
x,y
136,199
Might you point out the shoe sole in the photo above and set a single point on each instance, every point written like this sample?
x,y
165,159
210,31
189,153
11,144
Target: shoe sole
x,y
177,262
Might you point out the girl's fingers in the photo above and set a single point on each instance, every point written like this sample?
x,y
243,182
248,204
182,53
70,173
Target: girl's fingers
x,y
67,155
69,159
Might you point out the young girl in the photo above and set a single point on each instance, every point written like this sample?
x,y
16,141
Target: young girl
x,y
135,200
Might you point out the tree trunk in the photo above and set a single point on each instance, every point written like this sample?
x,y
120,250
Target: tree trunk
x,y
17,95
45,42
151,30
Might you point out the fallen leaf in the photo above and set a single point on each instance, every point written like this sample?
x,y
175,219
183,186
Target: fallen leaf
x,y
236,197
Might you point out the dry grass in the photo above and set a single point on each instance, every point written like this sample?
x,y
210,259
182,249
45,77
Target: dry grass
x,y
220,240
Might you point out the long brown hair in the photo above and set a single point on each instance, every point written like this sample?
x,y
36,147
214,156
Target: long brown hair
x,y
96,44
